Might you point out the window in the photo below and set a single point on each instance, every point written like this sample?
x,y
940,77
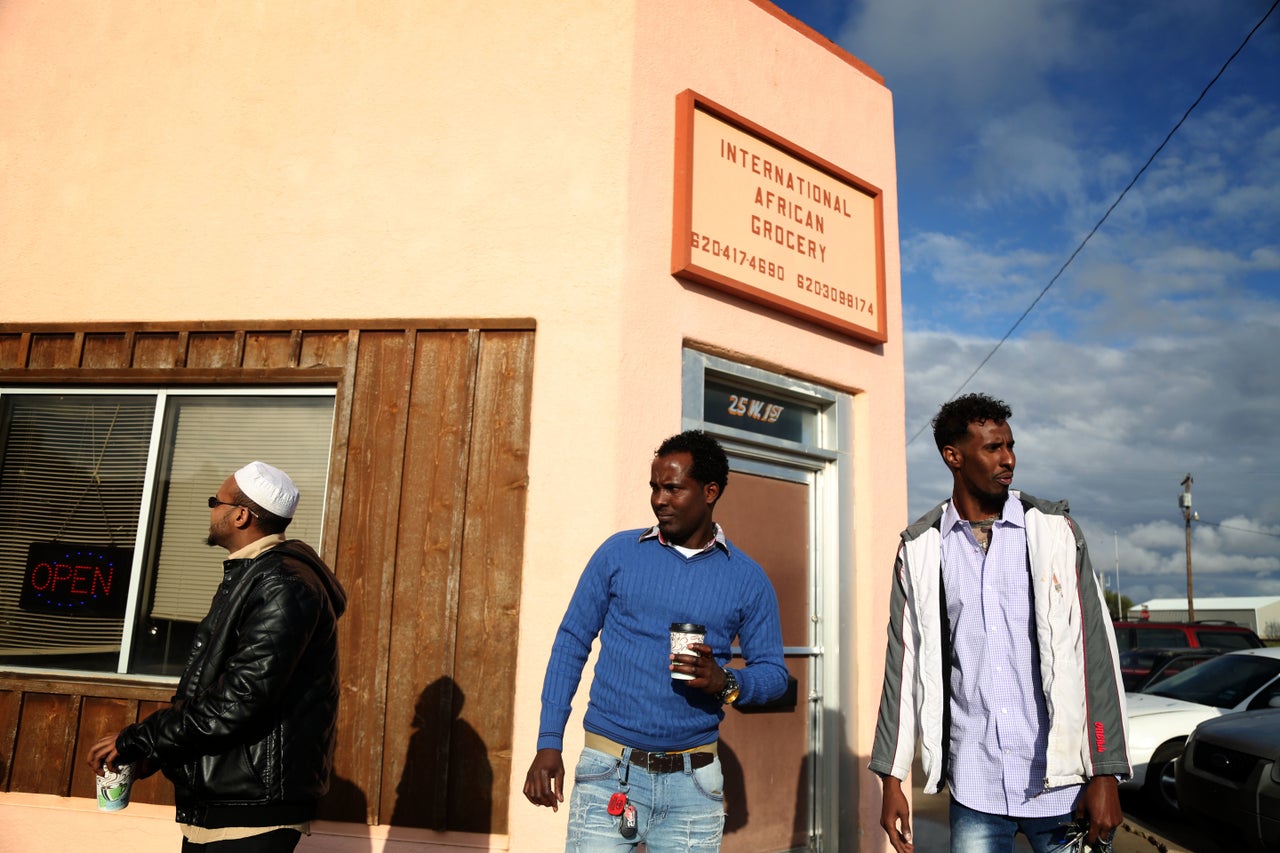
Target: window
x,y
1161,638
1226,639
103,514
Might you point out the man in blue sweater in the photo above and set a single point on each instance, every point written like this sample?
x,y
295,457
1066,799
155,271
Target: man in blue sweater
x,y
650,771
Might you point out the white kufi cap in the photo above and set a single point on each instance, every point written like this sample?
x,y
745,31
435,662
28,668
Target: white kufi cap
x,y
268,487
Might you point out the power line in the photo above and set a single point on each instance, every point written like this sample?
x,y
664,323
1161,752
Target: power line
x,y
1240,529
1113,206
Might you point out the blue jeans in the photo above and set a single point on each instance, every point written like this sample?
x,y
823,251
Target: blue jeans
x,y
979,832
674,811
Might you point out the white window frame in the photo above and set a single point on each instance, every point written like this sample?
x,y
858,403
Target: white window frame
x,y
161,394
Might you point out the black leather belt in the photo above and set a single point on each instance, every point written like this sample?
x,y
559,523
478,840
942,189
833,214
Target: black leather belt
x,y
670,762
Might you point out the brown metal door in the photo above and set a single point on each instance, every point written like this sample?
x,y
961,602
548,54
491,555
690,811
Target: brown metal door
x,y
766,754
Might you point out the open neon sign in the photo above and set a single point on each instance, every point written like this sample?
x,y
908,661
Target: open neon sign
x,y
64,577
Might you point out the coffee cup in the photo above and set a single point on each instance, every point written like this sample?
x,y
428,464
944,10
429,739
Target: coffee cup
x,y
682,634
113,787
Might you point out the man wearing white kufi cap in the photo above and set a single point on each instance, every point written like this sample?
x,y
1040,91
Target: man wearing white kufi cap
x,y
262,678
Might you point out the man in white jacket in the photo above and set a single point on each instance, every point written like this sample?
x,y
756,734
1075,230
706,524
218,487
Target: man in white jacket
x,y
1001,659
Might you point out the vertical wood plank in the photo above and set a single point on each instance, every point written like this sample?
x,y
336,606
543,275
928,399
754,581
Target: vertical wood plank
x,y
366,551
10,711
295,346
99,717
155,789
492,561
45,744
342,403
428,561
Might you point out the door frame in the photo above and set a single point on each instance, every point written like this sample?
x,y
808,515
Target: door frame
x,y
819,455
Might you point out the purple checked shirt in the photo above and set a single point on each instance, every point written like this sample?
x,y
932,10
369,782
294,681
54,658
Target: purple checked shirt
x,y
999,724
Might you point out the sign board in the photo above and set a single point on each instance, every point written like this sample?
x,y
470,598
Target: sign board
x,y
772,223
754,411
64,577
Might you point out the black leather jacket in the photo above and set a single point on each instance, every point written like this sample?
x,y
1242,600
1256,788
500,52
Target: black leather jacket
x,y
248,739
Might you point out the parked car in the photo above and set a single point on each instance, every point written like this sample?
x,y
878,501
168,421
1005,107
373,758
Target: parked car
x,y
1161,718
1229,774
1141,668
1218,635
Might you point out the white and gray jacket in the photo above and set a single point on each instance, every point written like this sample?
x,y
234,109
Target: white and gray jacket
x,y
1079,667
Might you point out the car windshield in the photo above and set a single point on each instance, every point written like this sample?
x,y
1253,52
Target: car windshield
x,y
1223,682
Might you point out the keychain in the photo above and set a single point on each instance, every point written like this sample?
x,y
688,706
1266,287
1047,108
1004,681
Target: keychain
x,y
628,828
618,805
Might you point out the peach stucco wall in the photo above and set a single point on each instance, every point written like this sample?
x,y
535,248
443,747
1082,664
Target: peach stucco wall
x,y
402,158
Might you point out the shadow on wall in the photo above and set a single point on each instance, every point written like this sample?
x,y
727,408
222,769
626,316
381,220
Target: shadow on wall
x,y
776,824
447,782
346,802
735,789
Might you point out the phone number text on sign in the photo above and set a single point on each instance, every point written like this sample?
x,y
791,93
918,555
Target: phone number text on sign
x,y
703,243
835,294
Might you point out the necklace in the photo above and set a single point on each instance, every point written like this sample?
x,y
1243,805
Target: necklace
x,y
982,531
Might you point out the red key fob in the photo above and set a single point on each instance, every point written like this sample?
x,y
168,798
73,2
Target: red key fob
x,y
617,803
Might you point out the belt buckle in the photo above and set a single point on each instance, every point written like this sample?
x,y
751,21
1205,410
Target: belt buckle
x,y
658,760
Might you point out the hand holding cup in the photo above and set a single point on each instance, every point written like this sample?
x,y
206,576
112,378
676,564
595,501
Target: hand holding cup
x,y
683,634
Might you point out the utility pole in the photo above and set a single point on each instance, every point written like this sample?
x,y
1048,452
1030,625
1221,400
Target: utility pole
x,y
1184,501
1115,535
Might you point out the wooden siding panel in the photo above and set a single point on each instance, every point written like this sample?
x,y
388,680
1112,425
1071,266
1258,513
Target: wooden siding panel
x,y
492,561
10,711
427,496
13,351
158,350
154,789
338,451
366,553
99,717
323,349
267,349
53,350
107,350
45,745
215,349
420,700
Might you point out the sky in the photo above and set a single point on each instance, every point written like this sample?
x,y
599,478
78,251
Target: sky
x,y
1156,353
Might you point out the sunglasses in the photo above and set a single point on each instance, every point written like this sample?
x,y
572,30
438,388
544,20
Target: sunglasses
x,y
214,503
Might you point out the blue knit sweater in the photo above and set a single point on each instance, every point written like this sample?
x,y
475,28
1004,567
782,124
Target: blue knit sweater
x,y
629,594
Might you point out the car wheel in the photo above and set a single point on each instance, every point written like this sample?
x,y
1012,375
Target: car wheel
x,y
1160,787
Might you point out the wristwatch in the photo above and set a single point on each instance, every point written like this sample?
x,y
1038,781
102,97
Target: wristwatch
x,y
729,694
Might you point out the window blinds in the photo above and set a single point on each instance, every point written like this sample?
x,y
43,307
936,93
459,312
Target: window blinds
x,y
72,472
210,438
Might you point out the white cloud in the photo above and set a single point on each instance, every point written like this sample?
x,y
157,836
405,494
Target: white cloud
x,y
1156,353
1115,429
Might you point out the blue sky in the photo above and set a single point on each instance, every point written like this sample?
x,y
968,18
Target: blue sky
x,y
1157,352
